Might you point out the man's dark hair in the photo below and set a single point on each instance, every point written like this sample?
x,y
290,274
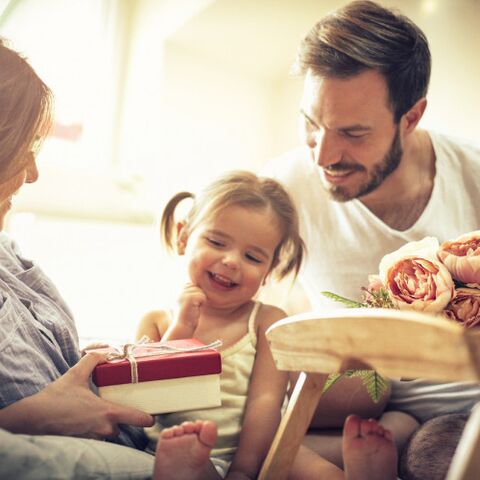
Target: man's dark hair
x,y
363,35
430,450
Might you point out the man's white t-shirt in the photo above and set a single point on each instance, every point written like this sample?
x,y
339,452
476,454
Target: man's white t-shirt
x,y
346,241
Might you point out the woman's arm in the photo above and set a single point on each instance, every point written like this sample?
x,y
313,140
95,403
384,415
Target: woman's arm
x,y
68,407
265,398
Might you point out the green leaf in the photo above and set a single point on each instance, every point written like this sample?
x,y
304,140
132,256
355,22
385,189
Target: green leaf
x,y
375,384
346,301
331,379
356,373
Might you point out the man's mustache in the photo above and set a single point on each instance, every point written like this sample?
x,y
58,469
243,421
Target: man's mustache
x,y
344,166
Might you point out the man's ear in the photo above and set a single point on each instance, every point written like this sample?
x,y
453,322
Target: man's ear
x,y
182,238
412,117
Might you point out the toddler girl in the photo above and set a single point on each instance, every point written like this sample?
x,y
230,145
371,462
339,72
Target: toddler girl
x,y
240,230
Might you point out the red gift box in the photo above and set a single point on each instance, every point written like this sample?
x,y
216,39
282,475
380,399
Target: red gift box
x,y
156,379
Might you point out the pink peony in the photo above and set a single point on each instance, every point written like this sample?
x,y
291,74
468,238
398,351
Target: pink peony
x,y
415,279
465,307
462,258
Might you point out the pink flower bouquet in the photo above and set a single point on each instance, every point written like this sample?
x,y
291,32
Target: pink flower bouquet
x,y
425,276
415,279
465,307
462,258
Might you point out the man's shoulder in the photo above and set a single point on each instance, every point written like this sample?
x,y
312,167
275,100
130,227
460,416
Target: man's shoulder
x,y
455,147
297,173
289,166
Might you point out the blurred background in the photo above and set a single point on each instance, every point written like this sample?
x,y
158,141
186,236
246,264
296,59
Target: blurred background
x,y
157,96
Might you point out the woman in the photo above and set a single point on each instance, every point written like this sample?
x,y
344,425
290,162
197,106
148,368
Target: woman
x,y
44,386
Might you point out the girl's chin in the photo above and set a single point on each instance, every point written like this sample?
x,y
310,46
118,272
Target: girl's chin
x,y
219,303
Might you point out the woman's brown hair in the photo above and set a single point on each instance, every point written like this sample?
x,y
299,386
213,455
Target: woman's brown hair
x,y
25,110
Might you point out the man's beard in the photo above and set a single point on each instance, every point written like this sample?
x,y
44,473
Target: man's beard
x,y
378,173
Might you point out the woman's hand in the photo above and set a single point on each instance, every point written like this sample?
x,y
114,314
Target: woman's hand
x,y
68,407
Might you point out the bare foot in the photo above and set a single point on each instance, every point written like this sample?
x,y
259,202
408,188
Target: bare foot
x,y
369,452
183,452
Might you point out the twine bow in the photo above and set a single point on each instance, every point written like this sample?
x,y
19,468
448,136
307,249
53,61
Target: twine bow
x,y
127,352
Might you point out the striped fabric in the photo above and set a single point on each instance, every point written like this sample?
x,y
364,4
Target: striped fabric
x,y
38,338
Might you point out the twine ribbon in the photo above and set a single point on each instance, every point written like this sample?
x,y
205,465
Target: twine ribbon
x,y
148,349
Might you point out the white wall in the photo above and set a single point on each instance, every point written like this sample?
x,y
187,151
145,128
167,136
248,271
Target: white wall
x,y
212,119
454,97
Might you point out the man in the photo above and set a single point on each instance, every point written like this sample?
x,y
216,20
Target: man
x,y
368,179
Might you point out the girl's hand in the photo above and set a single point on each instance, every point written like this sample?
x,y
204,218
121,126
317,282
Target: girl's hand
x,y
191,301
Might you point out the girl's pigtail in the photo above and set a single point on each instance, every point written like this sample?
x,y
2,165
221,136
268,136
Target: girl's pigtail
x,y
167,224
296,251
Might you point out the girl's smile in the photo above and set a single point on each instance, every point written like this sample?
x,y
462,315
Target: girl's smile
x,y
221,282
231,253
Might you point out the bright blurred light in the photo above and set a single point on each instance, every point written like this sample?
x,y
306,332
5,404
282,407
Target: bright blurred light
x,y
429,6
